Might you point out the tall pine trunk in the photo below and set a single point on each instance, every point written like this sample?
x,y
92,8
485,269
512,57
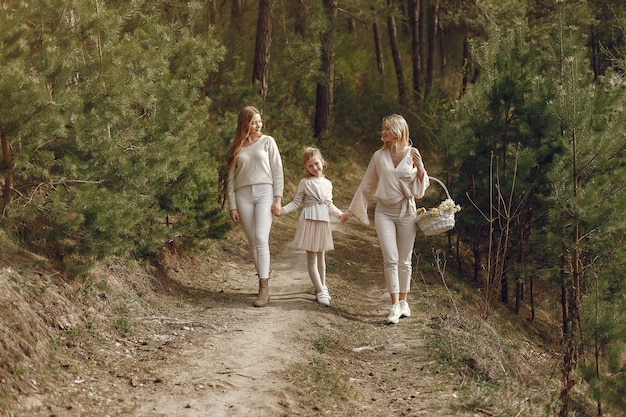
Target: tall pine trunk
x,y
236,15
431,29
395,52
260,72
416,58
378,47
325,90
7,160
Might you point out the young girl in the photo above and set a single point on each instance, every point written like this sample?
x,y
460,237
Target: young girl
x,y
313,233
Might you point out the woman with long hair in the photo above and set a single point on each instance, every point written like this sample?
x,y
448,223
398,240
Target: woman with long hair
x,y
255,190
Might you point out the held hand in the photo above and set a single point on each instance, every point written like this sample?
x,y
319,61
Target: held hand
x,y
277,208
234,215
345,216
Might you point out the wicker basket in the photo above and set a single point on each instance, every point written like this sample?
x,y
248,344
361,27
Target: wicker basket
x,y
441,222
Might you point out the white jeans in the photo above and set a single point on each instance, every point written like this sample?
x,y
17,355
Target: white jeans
x,y
254,204
396,237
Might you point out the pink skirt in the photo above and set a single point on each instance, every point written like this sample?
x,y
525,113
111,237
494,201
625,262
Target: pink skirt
x,y
313,235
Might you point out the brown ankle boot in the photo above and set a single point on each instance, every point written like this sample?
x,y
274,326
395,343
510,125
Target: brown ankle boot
x,y
264,293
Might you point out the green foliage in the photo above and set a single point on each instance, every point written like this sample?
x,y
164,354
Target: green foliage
x,y
498,142
586,207
117,152
537,139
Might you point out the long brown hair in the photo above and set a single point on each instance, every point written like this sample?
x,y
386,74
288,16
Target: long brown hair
x,y
243,129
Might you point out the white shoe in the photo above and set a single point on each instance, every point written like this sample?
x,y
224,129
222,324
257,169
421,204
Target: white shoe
x,y
405,311
323,298
325,290
394,314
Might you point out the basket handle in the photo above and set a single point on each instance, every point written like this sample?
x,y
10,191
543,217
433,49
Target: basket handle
x,y
442,184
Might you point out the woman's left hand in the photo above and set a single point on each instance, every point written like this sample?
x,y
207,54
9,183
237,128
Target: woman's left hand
x,y
277,207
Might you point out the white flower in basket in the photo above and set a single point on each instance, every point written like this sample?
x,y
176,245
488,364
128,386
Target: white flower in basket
x,y
438,219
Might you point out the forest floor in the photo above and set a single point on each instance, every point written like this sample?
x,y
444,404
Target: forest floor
x,y
181,338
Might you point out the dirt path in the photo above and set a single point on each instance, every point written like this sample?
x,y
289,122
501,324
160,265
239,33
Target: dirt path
x,y
201,350
238,368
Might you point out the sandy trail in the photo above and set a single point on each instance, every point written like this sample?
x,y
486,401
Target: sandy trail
x,y
236,368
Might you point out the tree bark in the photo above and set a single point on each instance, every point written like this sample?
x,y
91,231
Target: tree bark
x,y
7,160
422,23
433,6
324,95
414,22
260,71
236,15
212,12
377,45
395,52
301,24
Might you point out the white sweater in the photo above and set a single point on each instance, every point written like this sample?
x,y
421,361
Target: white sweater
x,y
258,163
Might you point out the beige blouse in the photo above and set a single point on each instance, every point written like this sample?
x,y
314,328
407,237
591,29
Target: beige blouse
x,y
316,194
393,184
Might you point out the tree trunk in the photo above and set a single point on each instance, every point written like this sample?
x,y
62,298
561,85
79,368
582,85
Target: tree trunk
x,y
260,72
395,52
432,9
570,353
324,93
414,7
531,297
236,16
422,23
595,52
377,45
301,25
212,12
519,282
7,160
504,289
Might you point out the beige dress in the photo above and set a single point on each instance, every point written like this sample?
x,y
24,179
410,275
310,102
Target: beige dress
x,y
313,232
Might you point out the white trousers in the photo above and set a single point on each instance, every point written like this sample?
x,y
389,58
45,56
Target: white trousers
x,y
396,237
254,204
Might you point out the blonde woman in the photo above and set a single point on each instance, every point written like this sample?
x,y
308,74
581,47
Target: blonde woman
x,y
255,190
397,172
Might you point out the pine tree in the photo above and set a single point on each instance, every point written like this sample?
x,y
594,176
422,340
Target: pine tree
x,y
498,145
120,153
586,218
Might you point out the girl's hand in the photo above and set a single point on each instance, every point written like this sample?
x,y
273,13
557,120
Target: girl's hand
x,y
234,215
345,216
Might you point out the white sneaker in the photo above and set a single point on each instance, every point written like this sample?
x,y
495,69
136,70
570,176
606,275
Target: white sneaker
x,y
323,298
325,289
394,314
405,311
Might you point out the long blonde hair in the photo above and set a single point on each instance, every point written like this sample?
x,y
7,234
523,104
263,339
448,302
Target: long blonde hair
x,y
243,130
400,129
309,153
